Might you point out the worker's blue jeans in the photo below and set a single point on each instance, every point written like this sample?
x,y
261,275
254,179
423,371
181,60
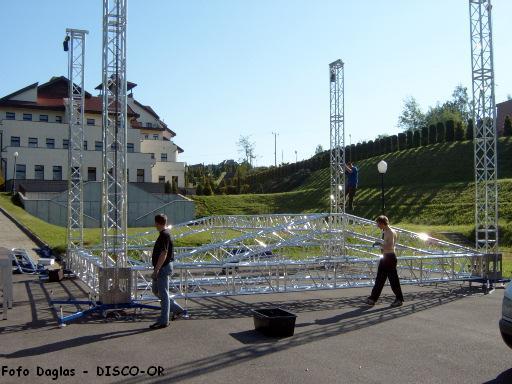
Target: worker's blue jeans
x,y
160,288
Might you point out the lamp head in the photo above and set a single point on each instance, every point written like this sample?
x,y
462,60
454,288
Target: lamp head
x,y
382,166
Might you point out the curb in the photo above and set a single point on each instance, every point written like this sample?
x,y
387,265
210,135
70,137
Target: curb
x,y
25,230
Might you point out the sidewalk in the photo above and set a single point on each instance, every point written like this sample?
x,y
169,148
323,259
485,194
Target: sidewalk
x,y
12,237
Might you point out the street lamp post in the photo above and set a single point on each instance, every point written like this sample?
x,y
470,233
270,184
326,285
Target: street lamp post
x,y
295,155
382,167
15,154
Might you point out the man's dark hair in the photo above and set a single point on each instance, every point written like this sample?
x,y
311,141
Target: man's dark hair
x,y
161,219
382,220
349,163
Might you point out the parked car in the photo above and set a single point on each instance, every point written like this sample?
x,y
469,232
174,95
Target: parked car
x,y
506,316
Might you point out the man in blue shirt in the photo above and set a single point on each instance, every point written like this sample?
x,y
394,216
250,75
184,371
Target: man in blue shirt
x,y
351,173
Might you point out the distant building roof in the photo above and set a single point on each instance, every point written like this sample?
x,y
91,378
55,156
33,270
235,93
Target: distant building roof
x,y
51,95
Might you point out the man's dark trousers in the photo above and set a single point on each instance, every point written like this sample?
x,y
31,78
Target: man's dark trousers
x,y
387,269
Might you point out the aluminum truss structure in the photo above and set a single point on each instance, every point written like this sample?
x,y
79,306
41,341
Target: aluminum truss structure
x,y
114,215
282,253
337,133
114,280
484,116
337,153
75,43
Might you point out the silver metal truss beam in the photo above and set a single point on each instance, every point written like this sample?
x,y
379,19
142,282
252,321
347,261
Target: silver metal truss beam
x,y
484,116
290,255
337,152
114,182
76,102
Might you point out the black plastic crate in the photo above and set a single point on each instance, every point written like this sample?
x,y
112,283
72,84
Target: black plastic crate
x,y
274,322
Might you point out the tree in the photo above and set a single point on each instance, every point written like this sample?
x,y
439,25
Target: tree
x,y
416,140
507,127
168,188
402,138
319,149
410,138
199,189
424,135
411,118
460,102
450,131
432,134
440,132
459,131
470,131
246,147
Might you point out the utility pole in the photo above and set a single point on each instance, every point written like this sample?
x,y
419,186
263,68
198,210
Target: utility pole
x,y
275,148
295,155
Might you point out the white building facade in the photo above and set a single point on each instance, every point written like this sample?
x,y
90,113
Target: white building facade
x,y
34,124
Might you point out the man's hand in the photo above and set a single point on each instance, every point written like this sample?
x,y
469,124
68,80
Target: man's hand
x,y
154,275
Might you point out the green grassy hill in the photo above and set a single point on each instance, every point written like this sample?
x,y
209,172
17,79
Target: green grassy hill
x,y
432,185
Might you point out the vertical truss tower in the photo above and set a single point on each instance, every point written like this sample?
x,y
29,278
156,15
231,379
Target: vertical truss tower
x,y
484,116
75,41
337,153
114,196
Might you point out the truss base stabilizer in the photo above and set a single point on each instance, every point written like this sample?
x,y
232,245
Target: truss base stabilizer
x,y
96,307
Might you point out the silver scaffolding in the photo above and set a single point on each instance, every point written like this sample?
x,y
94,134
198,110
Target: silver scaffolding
x,y
337,153
75,44
284,253
484,117
114,281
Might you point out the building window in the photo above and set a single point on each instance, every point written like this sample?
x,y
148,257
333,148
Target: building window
x,y
91,174
10,115
27,117
98,146
127,174
85,145
43,118
15,141
91,121
146,136
32,142
149,125
161,179
140,175
50,143
39,172
57,172
155,137
175,181
163,157
58,119
21,173
65,143
152,155
130,147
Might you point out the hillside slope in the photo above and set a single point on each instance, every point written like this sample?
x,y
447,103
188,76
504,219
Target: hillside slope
x,y
428,185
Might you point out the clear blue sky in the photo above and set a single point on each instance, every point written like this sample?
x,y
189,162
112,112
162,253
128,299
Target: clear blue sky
x,y
218,69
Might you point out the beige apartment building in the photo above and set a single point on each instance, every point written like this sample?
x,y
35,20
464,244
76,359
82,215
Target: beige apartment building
x,y
34,125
